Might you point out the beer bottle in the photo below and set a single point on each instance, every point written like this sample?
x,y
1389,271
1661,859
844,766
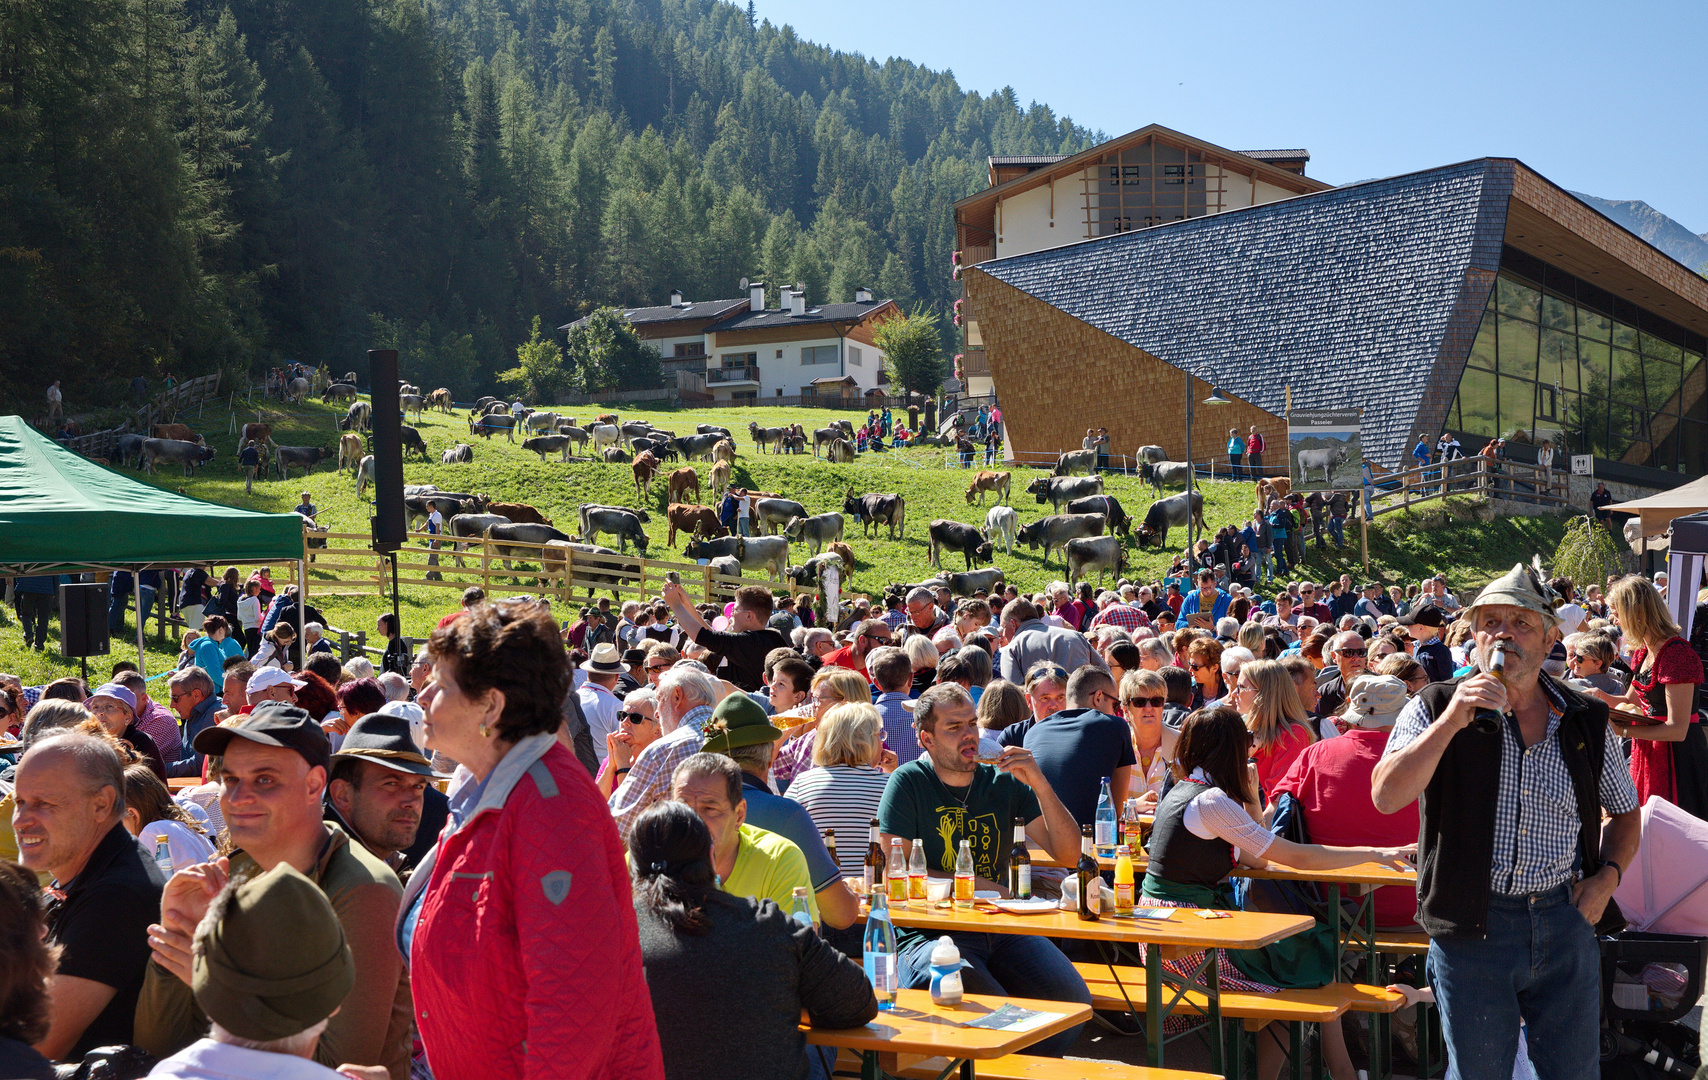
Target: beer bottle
x,y
874,872
1090,877
1020,864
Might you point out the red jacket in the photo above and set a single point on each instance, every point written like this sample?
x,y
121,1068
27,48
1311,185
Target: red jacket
x,y
525,960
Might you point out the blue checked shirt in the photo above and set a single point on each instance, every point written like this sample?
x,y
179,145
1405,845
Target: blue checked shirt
x,y
1536,817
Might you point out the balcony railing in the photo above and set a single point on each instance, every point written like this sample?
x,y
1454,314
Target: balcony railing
x,y
750,373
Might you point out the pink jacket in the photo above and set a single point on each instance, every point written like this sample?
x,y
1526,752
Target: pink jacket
x,y
525,960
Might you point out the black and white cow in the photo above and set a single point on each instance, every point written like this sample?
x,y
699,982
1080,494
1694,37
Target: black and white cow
x,y
877,508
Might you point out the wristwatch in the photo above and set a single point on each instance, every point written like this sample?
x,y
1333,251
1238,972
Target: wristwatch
x,y
1618,871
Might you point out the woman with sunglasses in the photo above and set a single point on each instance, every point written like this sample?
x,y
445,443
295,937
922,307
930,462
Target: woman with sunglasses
x,y
637,728
1143,694
1204,660
1280,728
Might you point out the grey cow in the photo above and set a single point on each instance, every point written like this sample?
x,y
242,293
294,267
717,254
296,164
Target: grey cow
x,y
459,454
175,452
1076,461
1056,530
772,514
302,457
770,552
621,523
1099,553
1326,458
1059,490
1170,473
548,444
817,531
526,533
471,527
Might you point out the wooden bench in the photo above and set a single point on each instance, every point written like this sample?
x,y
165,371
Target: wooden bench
x,y
1112,990
1397,943
1022,1067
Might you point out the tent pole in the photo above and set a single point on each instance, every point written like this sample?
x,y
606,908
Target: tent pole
x,y
141,650
302,611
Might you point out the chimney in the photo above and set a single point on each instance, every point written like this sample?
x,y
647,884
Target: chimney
x,y
862,296
756,296
797,303
675,297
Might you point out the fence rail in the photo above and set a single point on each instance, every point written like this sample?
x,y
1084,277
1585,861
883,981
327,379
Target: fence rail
x,y
187,395
1477,476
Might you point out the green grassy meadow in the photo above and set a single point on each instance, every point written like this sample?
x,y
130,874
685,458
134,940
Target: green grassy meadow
x,y
1441,537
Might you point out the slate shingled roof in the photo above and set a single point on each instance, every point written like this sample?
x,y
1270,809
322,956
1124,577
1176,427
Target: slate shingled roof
x,y
1346,293
703,309
773,317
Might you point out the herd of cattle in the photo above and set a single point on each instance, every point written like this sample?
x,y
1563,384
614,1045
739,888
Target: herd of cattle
x,y
1086,527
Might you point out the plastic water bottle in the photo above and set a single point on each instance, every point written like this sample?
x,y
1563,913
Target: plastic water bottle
x,y
799,909
163,854
1105,821
879,947
946,968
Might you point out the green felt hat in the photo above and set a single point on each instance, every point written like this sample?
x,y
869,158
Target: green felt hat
x,y
738,721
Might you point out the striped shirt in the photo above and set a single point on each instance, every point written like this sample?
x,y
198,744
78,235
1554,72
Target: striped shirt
x,y
1536,821
844,798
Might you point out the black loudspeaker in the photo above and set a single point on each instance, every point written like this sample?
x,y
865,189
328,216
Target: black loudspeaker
x,y
389,523
83,620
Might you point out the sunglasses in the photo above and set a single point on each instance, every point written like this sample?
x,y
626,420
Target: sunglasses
x,y
658,667
1352,652
633,718
1146,702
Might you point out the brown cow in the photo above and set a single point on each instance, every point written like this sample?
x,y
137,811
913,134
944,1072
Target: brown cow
x,y
837,547
680,481
720,478
518,513
606,418
693,519
350,451
259,433
180,432
645,468
989,481
723,450
440,399
1272,487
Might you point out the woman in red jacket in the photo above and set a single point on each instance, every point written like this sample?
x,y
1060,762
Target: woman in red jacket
x,y
519,927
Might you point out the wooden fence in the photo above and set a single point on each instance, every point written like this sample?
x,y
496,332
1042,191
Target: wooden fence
x,y
349,566
1477,477
165,408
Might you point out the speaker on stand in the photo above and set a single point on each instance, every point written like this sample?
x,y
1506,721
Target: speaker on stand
x,y
389,525
83,622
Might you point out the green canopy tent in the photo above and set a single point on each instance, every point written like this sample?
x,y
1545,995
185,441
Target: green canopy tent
x,y
61,513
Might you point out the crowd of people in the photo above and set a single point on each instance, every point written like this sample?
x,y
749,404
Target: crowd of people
x,y
647,857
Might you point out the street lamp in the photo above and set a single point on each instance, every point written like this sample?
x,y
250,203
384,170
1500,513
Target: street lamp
x,y
1216,398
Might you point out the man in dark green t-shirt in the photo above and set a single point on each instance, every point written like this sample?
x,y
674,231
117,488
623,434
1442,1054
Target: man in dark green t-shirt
x,y
945,796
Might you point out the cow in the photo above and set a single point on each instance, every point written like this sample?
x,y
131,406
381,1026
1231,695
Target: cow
x,y
1075,461
521,513
589,564
349,377
997,482
459,454
406,389
696,446
419,489
440,399
1060,490
708,429
635,429
1001,523
338,391
130,446
615,455
1165,472
479,406
645,468
969,540
1099,553
692,519
410,439
1272,487
297,390
357,417
1056,530
810,572
540,421
720,479
986,581
824,436
548,444
471,527
419,508
257,433
605,436
841,451
818,530
365,475
1326,458
1152,454
770,552
303,457
492,422
175,432
837,547
619,522
607,418
495,407
1107,505
877,508
680,481
350,451
727,565
175,451
576,435
723,450
767,436
529,533
1170,513
772,512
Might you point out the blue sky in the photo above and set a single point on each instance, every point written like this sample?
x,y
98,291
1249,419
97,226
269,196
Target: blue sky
x,y
1609,99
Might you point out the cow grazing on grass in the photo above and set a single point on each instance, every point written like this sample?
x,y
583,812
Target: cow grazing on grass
x,y
338,391
364,475
1099,553
458,454
300,457
1165,473
297,391
504,540
1152,454
1076,461
410,439
492,422
130,446
1056,530
1060,490
357,417
824,436
1168,513
989,481
645,467
877,508
440,399
576,435
548,444
841,451
619,522
955,536
681,482
1107,505
693,520
176,452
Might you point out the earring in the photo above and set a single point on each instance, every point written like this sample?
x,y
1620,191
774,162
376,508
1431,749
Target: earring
x,y
485,732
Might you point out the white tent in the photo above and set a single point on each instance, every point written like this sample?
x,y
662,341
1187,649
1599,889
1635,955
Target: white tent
x,y
1657,511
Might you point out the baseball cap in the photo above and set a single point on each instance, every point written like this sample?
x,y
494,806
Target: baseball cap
x,y
411,712
273,723
269,677
1423,615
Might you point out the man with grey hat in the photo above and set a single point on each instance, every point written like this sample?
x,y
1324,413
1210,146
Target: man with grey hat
x,y
270,966
1512,771
381,789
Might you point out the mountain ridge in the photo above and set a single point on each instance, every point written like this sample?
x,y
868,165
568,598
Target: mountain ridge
x,y
1663,232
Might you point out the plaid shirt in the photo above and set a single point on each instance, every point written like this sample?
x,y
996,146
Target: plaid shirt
x,y
648,781
1125,616
1536,818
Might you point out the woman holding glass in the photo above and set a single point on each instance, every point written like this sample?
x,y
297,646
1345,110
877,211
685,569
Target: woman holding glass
x,y
1143,694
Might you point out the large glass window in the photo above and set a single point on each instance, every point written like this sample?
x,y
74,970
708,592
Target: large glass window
x,y
1569,362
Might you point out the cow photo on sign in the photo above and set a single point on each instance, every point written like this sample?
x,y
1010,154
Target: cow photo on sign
x,y
1323,449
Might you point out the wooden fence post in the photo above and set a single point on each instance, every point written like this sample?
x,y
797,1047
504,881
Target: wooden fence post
x,y
707,575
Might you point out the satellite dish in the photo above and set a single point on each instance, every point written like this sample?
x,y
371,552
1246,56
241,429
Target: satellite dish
x,y
743,284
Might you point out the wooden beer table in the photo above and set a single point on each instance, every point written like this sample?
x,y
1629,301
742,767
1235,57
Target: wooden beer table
x,y
918,1026
1183,934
